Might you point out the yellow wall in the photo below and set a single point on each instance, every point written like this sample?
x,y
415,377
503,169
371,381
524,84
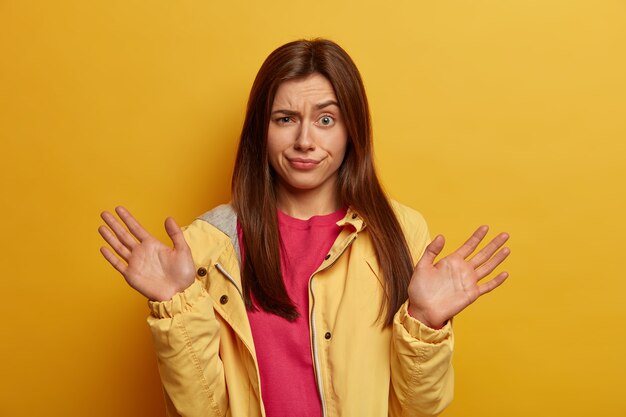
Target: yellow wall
x,y
506,112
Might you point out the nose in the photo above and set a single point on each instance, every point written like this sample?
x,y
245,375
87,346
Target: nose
x,y
304,140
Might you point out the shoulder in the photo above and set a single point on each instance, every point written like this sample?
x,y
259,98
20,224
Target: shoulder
x,y
212,232
221,219
409,218
414,227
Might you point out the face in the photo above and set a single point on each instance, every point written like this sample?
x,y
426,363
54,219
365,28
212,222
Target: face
x,y
307,137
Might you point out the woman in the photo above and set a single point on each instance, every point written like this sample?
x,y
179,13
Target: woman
x,y
301,297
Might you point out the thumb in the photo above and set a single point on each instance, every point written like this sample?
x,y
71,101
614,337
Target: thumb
x,y
433,249
175,233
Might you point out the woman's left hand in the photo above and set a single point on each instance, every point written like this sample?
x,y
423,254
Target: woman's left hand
x,y
439,291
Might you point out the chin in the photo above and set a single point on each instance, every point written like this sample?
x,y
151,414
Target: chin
x,y
301,186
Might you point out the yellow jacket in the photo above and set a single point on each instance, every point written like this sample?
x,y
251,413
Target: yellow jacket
x,y
206,354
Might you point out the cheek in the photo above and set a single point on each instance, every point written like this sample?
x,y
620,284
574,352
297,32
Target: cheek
x,y
340,145
341,158
272,156
274,148
277,139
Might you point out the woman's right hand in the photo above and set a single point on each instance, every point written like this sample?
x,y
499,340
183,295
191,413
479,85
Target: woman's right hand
x,y
149,266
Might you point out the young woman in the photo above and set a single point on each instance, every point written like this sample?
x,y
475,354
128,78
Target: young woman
x,y
301,297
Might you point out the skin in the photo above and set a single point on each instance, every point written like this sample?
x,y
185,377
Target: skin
x,y
440,290
307,141
154,269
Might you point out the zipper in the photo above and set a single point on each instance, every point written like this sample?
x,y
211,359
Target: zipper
x,y
316,359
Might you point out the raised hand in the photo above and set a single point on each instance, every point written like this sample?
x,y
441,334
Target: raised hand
x,y
152,268
439,291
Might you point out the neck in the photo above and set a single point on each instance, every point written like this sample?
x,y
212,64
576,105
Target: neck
x,y
304,204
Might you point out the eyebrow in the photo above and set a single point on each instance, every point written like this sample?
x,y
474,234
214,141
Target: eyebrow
x,y
326,104
318,106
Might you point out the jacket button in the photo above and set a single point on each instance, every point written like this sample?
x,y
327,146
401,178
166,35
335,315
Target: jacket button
x,y
201,271
327,336
224,299
327,257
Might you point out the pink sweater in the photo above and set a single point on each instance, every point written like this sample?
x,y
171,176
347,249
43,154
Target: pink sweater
x,y
283,348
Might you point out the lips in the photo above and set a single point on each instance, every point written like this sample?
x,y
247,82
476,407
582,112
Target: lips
x,y
303,164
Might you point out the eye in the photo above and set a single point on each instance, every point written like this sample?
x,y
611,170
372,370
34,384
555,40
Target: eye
x,y
326,121
283,120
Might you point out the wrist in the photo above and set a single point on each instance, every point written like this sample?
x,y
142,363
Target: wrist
x,y
167,293
419,315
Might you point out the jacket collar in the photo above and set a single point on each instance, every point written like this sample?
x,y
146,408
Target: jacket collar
x,y
224,218
353,219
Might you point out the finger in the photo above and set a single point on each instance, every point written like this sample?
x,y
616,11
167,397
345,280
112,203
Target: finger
x,y
133,225
116,262
433,249
493,263
472,243
492,284
175,233
487,252
120,231
114,242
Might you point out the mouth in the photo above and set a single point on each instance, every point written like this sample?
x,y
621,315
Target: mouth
x,y
303,164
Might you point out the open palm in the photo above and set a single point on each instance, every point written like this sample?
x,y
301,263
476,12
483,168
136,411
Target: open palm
x,y
439,291
152,268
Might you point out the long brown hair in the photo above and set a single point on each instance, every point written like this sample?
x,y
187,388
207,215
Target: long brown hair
x,y
253,191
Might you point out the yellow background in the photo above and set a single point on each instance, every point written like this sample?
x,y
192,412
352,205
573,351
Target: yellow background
x,y
511,113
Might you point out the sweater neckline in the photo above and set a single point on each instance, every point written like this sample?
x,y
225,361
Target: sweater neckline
x,y
313,221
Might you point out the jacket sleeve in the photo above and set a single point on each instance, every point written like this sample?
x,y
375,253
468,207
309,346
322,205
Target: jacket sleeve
x,y
185,333
422,377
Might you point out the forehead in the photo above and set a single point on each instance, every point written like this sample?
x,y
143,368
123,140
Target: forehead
x,y
312,88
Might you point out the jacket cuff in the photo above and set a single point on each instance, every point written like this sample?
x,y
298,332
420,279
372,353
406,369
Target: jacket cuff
x,y
180,302
420,331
